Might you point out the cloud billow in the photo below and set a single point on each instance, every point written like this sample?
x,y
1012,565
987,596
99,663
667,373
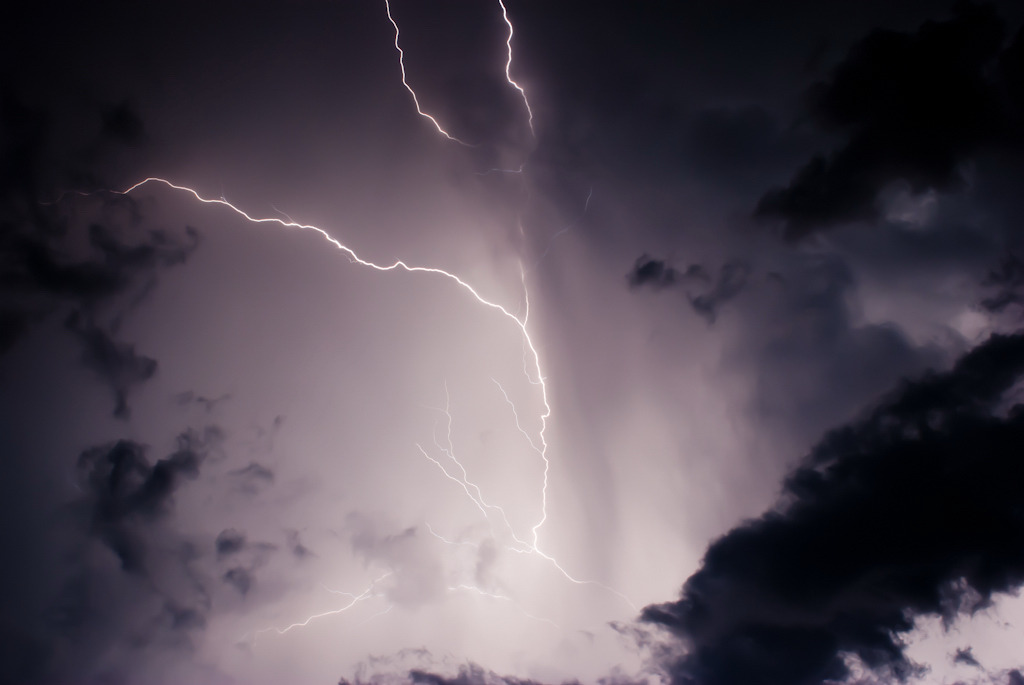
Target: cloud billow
x,y
914,108
53,260
658,274
913,510
126,493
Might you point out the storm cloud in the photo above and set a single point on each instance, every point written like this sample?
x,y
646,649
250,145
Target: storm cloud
x,y
912,107
910,511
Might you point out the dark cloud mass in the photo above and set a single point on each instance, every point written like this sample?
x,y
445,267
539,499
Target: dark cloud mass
x,y
117,364
126,490
44,267
913,107
122,563
911,511
965,655
229,541
712,291
1005,283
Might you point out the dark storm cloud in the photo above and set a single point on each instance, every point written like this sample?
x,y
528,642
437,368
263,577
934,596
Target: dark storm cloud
x,y
239,578
812,360
650,272
229,541
40,266
125,491
55,142
46,266
731,280
1006,283
913,510
657,273
116,363
799,333
965,656
253,478
207,403
107,572
470,674
232,546
913,107
467,675
295,546
126,581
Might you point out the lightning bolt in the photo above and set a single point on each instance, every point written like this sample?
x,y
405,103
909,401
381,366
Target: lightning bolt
x,y
405,82
468,486
565,229
515,414
354,599
508,78
508,67
452,468
533,371
378,614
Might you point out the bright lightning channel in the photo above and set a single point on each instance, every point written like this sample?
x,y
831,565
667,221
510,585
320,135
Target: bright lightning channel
x,y
515,414
454,543
464,482
508,77
405,82
534,373
508,67
354,599
475,494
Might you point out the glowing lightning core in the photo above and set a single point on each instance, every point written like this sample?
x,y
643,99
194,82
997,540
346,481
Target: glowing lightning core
x,y
405,82
508,66
508,75
354,599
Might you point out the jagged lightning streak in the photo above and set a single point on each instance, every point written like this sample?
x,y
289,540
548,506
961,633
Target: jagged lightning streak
x,y
355,599
565,229
405,82
534,370
515,415
536,374
508,76
377,615
446,541
476,496
466,484
508,67
532,359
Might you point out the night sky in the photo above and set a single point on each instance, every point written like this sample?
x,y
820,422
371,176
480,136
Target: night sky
x,y
623,343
